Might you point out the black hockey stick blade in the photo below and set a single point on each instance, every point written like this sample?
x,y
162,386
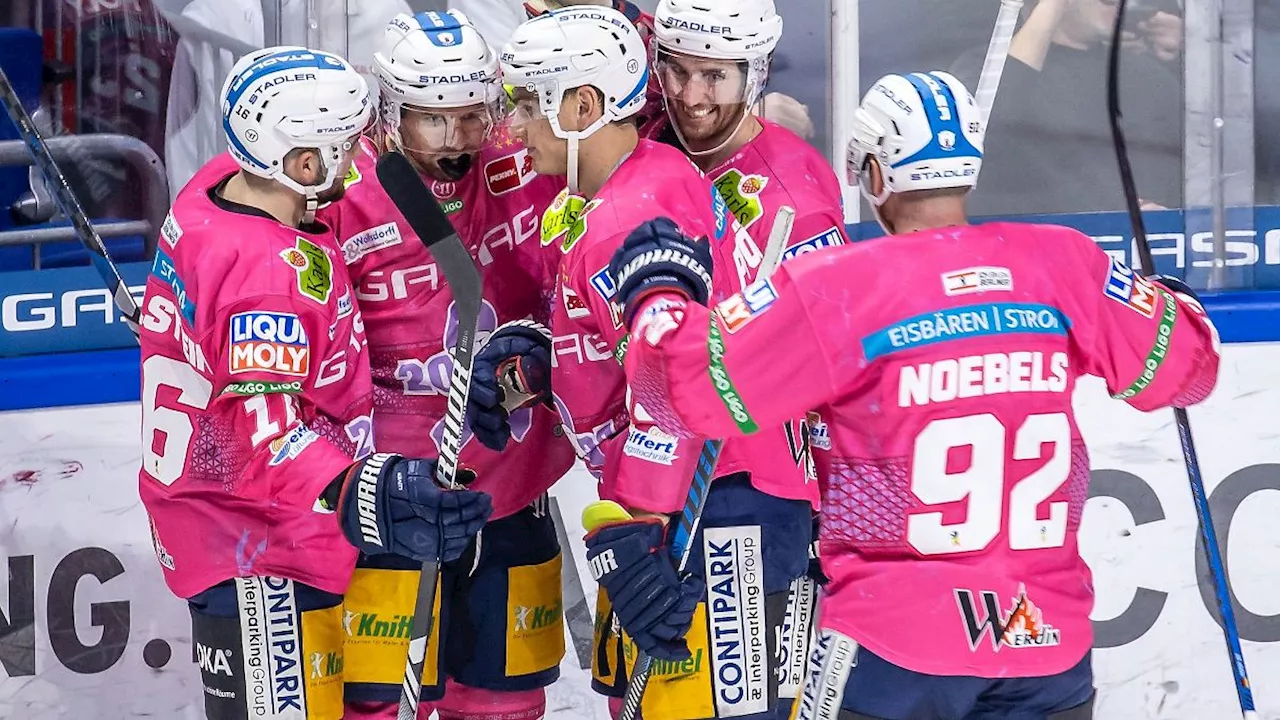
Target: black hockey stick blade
x,y
69,204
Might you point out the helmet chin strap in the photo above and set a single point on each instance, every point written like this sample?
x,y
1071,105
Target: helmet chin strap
x,y
876,201
572,177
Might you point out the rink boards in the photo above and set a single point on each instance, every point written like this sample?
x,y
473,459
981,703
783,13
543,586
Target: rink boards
x,y
88,629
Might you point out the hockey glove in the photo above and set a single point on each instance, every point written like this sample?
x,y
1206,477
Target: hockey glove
x,y
391,504
633,564
512,370
657,257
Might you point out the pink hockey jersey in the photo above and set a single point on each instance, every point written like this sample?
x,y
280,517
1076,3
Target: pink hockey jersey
x,y
255,394
778,168
641,466
941,365
409,313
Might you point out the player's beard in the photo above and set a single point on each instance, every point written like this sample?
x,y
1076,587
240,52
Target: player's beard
x,y
705,126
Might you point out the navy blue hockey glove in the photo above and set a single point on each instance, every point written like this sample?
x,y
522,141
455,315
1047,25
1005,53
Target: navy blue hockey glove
x,y
657,257
512,370
633,564
391,504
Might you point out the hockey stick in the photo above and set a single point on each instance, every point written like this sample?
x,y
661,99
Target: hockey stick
x,y
997,54
1208,537
70,206
577,613
411,197
704,473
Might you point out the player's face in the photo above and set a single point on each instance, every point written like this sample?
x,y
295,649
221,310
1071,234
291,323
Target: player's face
x,y
549,153
441,141
704,97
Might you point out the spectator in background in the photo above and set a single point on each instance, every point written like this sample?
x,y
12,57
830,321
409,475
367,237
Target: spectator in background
x,y
1050,147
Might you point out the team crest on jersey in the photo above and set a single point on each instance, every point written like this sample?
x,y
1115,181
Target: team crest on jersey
x,y
1129,289
976,280
1023,626
565,220
509,173
269,342
741,309
314,269
741,193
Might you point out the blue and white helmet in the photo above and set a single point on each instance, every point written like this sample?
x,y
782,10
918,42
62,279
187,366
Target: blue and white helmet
x,y
280,99
437,61
564,49
924,130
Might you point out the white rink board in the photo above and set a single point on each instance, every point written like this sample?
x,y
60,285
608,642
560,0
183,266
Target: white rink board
x,y
68,482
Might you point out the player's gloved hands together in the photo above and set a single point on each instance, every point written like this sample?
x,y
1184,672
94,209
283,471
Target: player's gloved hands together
x,y
512,370
391,504
633,563
657,257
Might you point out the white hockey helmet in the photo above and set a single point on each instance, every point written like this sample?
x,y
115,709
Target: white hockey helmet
x,y
924,130
280,99
739,31
565,49
554,53
437,61
718,29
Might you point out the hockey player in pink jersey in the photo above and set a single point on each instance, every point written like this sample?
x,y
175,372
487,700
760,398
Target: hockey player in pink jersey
x,y
443,105
956,480
256,420
712,61
579,76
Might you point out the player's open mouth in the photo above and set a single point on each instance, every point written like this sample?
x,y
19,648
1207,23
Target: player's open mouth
x,y
698,115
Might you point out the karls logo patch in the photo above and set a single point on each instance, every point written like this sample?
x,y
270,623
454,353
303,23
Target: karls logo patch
x,y
565,220
509,173
1023,626
1127,288
741,309
735,619
831,237
314,269
976,280
741,193
371,240
269,342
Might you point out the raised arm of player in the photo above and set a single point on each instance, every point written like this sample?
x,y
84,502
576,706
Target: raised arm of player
x,y
1151,341
753,361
